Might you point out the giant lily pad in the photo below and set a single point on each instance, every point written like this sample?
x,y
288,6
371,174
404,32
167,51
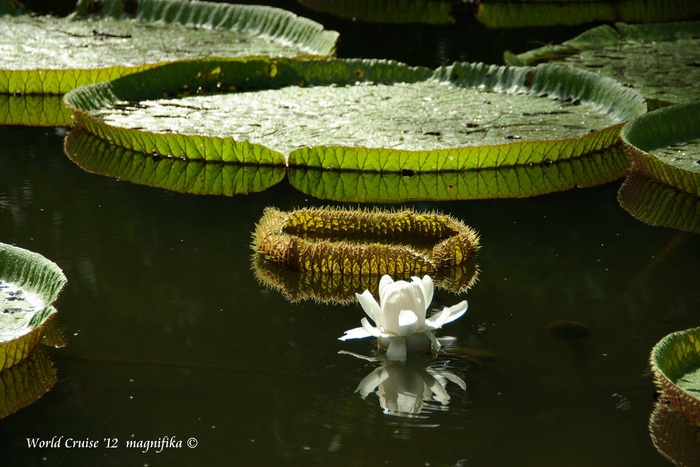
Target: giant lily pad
x,y
109,38
29,284
660,60
665,144
365,115
529,13
676,364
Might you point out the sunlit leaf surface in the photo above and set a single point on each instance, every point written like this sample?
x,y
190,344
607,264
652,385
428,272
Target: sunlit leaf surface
x,y
660,60
54,55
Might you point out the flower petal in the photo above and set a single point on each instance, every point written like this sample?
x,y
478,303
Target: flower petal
x,y
447,315
433,341
384,282
397,349
369,304
356,333
408,323
376,332
398,297
428,290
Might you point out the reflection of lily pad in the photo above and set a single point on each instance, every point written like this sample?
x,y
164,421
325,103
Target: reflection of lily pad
x,y
676,364
528,13
673,437
34,110
25,383
29,284
660,60
386,11
110,38
665,144
657,204
359,242
347,114
340,289
195,177
510,182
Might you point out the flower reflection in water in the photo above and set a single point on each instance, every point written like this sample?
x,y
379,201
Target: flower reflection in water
x,y
408,389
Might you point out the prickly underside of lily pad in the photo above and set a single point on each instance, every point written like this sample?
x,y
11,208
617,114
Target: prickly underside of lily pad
x,y
362,242
671,358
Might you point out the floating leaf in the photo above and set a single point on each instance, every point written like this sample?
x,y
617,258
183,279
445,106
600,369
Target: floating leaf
x,y
665,145
658,204
360,242
196,177
29,284
347,114
386,11
529,13
676,364
106,39
25,383
509,182
662,61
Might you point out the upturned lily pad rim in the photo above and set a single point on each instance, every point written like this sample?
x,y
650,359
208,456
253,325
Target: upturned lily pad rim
x,y
553,81
660,128
33,272
674,356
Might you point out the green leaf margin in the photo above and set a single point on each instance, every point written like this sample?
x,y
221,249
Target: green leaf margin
x,y
659,128
32,272
672,358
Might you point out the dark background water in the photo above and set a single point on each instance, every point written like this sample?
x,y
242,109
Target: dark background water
x,y
170,334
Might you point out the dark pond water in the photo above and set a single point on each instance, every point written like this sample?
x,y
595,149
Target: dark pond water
x,y
170,334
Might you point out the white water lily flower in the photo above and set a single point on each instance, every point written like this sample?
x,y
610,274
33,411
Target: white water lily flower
x,y
401,323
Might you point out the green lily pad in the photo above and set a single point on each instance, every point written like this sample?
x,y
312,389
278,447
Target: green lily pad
x,y
665,145
660,60
106,39
386,11
29,284
656,204
676,364
195,177
366,115
528,13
